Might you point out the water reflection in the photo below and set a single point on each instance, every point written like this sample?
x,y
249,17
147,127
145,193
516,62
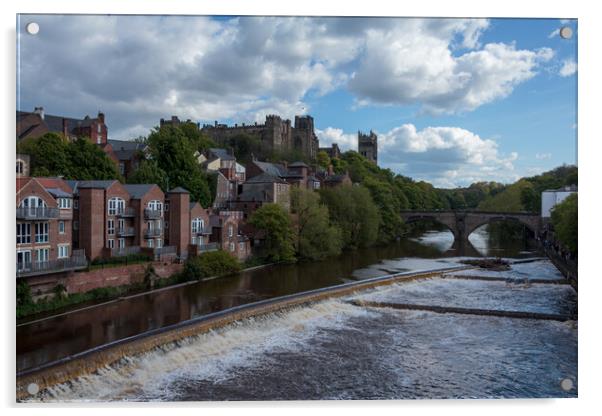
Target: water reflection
x,y
54,338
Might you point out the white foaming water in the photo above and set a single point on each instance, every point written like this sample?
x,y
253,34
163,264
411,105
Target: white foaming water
x,y
541,269
441,240
212,355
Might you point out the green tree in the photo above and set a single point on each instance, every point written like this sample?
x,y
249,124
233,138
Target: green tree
x,y
173,152
90,162
48,154
148,171
323,159
351,208
215,263
564,220
275,223
315,237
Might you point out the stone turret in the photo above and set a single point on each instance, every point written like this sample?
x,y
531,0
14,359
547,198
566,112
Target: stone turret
x,y
367,146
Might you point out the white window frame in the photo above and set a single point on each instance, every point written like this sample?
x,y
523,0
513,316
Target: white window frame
x,y
121,224
61,227
63,251
159,243
64,203
116,205
42,232
25,263
230,230
110,243
232,247
111,226
121,243
150,243
23,233
42,258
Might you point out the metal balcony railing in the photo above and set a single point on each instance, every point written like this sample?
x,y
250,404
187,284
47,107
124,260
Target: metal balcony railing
x,y
127,212
165,250
155,232
126,232
151,214
125,251
52,266
38,213
208,247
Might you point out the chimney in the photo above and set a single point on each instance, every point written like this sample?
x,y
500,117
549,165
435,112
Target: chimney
x,y
40,111
65,127
101,117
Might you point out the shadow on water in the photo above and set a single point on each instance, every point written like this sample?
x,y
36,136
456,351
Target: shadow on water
x,y
61,336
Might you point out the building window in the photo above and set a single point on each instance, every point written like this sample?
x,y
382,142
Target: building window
x,y
75,203
32,202
230,231
197,225
116,206
111,227
232,247
122,168
64,203
241,247
111,243
20,167
23,260
150,243
61,227
41,229
42,255
121,243
76,225
166,207
193,240
23,233
98,138
155,205
159,243
63,251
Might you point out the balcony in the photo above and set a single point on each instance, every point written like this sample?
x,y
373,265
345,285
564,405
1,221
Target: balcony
x,y
127,213
39,213
160,253
202,231
126,232
155,232
52,266
125,251
208,247
152,214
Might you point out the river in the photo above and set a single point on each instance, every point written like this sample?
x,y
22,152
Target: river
x,y
333,349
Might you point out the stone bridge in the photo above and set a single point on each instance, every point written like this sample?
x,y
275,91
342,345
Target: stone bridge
x,y
463,223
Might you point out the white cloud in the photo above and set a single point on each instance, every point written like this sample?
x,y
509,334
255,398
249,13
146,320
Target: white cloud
x,y
569,67
138,69
444,156
543,156
416,65
331,135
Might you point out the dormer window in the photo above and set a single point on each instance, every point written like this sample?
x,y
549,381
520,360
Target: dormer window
x,y
64,203
155,205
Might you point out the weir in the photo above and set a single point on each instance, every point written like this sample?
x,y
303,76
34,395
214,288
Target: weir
x,y
90,361
506,279
463,311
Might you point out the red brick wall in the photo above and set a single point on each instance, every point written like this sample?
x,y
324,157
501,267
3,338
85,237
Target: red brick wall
x,y
179,222
115,276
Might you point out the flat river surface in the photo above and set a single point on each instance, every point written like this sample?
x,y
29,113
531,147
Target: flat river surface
x,y
334,349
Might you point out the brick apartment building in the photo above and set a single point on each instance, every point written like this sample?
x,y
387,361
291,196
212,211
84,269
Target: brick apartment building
x,y
37,123
44,217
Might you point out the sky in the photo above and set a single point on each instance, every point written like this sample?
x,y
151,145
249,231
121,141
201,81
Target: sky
x,y
453,101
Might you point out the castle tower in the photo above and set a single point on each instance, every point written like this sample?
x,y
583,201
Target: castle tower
x,y
367,146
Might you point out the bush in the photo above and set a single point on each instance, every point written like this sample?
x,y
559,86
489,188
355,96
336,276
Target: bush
x,y
216,263
23,294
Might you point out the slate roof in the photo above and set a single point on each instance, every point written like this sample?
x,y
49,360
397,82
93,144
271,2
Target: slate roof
x,y
92,184
298,164
55,123
265,178
335,178
251,195
137,191
273,169
221,153
178,190
59,193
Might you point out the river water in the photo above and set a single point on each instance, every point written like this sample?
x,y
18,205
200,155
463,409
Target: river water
x,y
334,349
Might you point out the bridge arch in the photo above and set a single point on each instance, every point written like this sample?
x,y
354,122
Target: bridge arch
x,y
448,223
471,224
